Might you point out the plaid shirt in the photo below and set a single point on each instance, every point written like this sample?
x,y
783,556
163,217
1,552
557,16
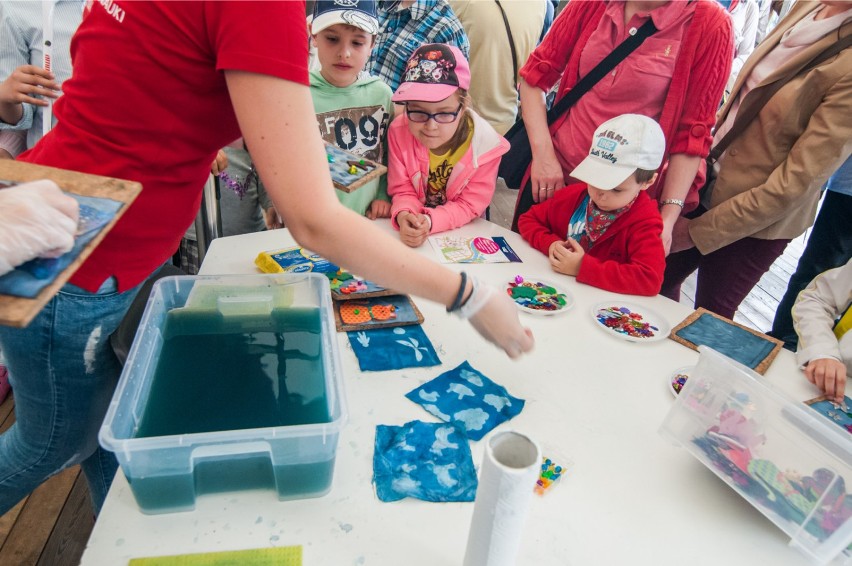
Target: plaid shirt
x,y
402,31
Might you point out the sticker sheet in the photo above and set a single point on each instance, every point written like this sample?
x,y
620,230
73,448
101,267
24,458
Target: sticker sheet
x,y
427,461
467,398
458,249
386,349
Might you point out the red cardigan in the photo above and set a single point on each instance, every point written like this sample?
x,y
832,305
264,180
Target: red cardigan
x,y
701,71
629,258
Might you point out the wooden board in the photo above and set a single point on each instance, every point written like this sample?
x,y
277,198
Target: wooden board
x,y
343,289
19,311
337,295
408,313
763,363
341,160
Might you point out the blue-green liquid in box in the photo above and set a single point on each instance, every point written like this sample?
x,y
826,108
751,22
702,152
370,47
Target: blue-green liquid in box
x,y
218,373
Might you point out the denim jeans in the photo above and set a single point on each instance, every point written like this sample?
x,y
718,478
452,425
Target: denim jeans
x,y
829,246
63,373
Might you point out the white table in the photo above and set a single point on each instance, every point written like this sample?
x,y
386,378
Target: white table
x,y
629,498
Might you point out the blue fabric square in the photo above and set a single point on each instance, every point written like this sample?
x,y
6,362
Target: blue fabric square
x,y
428,461
465,397
385,349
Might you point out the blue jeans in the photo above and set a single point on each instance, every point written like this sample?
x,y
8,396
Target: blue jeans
x,y
63,373
829,246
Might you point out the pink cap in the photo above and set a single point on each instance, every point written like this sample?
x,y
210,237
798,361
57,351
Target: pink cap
x,y
434,72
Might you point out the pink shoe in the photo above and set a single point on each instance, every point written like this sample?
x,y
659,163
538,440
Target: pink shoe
x,y
4,383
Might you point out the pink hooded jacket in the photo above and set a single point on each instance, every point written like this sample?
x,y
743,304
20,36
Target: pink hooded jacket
x,y
469,188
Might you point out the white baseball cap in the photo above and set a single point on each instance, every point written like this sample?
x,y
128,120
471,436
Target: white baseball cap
x,y
358,13
620,146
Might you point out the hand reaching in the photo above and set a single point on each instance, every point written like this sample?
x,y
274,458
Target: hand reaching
x,y
829,375
495,317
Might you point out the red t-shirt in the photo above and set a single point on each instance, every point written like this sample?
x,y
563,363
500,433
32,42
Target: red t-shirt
x,y
148,102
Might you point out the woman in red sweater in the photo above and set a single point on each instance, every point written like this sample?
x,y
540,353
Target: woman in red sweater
x,y
676,77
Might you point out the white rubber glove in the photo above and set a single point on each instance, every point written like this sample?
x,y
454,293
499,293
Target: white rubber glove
x,y
495,317
36,220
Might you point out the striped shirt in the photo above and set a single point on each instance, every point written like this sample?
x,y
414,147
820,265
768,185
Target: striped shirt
x,y
403,30
21,44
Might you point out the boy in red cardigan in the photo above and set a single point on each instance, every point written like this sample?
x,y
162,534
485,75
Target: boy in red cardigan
x,y
606,230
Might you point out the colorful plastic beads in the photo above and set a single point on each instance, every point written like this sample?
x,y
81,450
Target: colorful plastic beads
x,y
550,474
536,295
678,381
623,321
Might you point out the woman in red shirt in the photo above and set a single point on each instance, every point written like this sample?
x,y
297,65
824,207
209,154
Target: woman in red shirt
x,y
158,88
676,77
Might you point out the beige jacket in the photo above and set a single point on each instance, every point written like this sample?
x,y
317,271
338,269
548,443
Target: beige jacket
x,y
770,177
827,297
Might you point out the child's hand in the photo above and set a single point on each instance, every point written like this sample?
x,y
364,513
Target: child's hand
x,y
379,209
25,83
829,375
220,163
413,228
566,257
272,219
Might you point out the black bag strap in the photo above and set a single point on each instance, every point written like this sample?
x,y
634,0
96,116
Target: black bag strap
x,y
757,98
609,62
515,68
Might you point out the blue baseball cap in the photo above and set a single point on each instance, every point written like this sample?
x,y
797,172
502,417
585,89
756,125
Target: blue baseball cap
x,y
358,13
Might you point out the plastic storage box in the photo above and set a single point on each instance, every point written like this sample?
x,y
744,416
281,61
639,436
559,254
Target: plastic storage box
x,y
232,382
787,460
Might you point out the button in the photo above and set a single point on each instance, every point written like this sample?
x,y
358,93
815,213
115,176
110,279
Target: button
x,y
698,130
632,31
544,67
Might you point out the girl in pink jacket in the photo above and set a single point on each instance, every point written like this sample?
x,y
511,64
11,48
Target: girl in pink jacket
x,y
442,156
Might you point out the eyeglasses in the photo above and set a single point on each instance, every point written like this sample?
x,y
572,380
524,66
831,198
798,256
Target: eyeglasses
x,y
440,117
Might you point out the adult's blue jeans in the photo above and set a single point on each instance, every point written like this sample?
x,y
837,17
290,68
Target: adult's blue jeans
x,y
829,246
63,373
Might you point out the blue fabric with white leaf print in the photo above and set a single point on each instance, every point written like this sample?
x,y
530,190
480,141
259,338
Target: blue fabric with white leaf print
x,y
428,461
385,349
465,397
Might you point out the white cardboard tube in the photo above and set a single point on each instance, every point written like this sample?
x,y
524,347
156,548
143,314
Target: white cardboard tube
x,y
509,471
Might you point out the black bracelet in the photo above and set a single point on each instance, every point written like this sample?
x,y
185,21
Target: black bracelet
x,y
472,291
457,303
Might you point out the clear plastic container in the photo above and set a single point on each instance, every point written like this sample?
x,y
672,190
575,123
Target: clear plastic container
x,y
232,382
787,460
